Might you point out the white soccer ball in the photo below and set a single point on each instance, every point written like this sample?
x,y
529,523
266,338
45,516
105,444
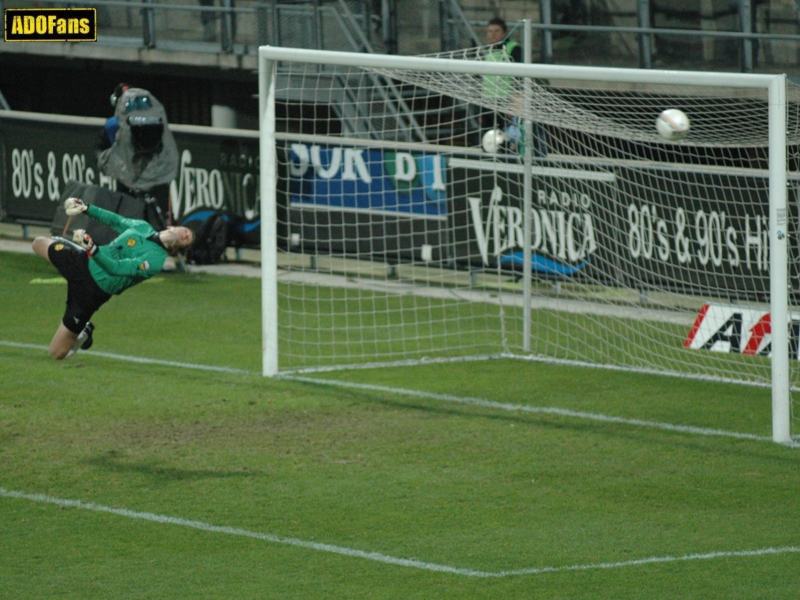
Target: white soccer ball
x,y
492,140
672,125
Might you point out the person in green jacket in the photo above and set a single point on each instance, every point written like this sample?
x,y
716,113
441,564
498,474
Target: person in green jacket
x,y
95,273
498,89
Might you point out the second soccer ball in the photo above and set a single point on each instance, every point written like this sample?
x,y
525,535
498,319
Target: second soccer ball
x,y
672,125
492,140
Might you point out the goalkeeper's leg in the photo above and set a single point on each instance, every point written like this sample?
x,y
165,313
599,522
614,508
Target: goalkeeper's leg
x,y
66,343
84,296
83,341
41,246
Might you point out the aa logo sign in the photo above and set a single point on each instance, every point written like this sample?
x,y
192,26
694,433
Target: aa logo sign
x,y
50,25
740,330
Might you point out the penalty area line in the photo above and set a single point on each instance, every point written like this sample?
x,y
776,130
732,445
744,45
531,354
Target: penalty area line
x,y
377,556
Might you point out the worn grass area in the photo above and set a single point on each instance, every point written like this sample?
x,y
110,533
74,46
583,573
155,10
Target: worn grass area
x,y
470,488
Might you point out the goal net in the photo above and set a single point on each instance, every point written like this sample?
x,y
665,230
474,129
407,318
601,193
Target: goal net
x,y
460,207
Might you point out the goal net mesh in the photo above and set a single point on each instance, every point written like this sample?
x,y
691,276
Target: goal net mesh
x,y
402,239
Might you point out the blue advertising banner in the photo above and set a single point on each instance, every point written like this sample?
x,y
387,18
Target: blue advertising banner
x,y
367,181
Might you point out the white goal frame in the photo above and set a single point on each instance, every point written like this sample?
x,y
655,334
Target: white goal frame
x,y
778,238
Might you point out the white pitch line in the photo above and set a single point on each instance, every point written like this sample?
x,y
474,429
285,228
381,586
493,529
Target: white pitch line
x,y
136,359
533,409
145,516
377,556
653,560
440,397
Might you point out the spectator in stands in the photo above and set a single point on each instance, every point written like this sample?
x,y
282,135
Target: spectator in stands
x,y
496,88
95,273
500,90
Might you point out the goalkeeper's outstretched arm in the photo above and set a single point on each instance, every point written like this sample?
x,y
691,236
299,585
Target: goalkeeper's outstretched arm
x,y
75,206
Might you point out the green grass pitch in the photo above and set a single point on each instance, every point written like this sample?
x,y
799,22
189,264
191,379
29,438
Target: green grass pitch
x,y
125,479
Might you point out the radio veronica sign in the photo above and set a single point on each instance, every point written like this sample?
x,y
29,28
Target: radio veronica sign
x,y
565,238
610,225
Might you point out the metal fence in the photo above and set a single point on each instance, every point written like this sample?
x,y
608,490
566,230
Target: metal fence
x,y
746,36
238,26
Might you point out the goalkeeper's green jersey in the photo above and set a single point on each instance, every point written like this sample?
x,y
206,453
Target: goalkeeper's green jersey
x,y
133,256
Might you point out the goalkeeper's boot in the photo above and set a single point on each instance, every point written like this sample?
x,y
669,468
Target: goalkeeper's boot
x,y
88,330
83,341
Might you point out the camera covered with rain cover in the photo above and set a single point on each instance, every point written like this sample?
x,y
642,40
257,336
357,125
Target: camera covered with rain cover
x,y
146,134
144,153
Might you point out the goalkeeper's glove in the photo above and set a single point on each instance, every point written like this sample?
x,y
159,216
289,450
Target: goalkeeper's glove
x,y
75,206
84,240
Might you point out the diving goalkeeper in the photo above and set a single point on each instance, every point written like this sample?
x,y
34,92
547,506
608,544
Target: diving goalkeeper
x,y
95,273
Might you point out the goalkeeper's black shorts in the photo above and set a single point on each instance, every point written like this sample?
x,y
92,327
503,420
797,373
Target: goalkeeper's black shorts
x,y
84,296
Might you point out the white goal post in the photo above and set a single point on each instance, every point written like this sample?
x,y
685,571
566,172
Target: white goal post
x,y
633,183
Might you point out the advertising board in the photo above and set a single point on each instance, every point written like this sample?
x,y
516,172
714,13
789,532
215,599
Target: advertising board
x,y
681,228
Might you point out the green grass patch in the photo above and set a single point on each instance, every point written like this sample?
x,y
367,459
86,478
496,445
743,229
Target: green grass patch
x,y
413,477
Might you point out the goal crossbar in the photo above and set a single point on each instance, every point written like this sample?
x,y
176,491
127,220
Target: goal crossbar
x,y
442,65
